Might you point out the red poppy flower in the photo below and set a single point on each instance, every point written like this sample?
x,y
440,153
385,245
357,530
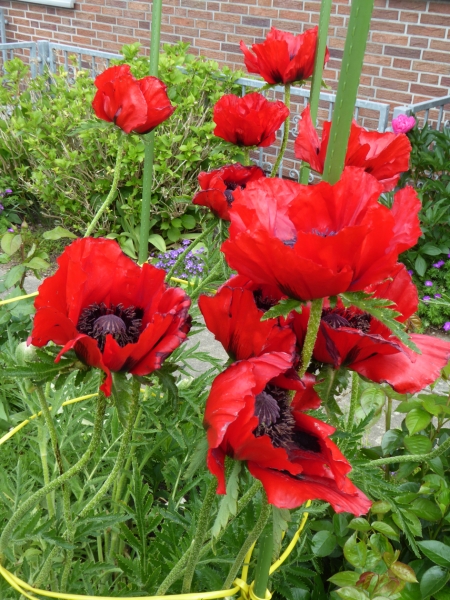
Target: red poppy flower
x,y
248,121
218,187
250,418
115,315
234,317
353,339
133,105
283,57
384,155
317,241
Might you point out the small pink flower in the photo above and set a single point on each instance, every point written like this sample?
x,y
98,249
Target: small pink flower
x,y
403,123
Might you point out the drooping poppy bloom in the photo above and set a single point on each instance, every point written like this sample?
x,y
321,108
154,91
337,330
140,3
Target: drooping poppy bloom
x,y
115,315
250,418
317,241
350,338
249,121
218,187
137,105
234,314
384,155
283,57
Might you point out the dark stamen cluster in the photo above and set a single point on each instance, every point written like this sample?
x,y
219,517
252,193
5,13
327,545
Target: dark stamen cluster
x,y
99,320
273,410
231,186
275,416
342,317
263,302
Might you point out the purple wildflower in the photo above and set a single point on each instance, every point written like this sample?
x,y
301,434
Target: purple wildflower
x,y
2,207
428,283
446,326
410,271
426,298
11,230
437,296
439,264
8,191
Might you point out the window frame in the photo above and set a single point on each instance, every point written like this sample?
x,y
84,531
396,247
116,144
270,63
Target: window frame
x,y
57,3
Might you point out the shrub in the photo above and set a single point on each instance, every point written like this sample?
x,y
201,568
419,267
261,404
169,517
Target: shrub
x,y
60,158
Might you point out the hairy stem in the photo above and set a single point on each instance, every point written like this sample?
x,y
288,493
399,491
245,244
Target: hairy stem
x,y
42,439
353,401
389,460
200,534
31,502
70,532
311,335
287,101
113,189
121,454
251,539
178,569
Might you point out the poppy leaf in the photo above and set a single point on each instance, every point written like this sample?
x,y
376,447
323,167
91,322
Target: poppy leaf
x,y
228,504
379,308
282,309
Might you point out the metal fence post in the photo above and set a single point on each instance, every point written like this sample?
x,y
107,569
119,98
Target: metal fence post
x,y
43,55
3,34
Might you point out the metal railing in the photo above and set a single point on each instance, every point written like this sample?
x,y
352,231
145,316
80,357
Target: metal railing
x,y
53,55
437,105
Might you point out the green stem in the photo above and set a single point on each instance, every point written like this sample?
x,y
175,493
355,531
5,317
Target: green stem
x,y
311,334
246,151
251,539
352,61
178,569
121,454
389,460
42,439
149,139
113,189
147,185
31,502
191,246
316,84
353,401
44,573
287,101
388,418
264,562
200,533
212,275
70,532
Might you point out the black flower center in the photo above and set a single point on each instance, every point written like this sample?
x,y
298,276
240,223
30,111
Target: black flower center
x,y
341,317
276,420
231,186
99,320
262,301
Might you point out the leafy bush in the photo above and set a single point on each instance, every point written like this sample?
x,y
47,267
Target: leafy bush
x,y
59,158
430,175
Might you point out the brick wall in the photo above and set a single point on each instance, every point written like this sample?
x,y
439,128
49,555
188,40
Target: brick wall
x,y
407,58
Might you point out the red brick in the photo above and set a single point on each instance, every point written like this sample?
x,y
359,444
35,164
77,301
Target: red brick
x,y
410,17
434,92
441,8
387,38
391,84
399,75
417,42
401,63
428,67
438,57
258,11
387,26
431,32
402,52
440,45
429,19
430,79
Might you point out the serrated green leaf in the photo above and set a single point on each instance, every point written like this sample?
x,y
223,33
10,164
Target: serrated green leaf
x,y
121,396
359,524
281,519
385,529
323,543
436,551
344,578
433,580
11,242
228,504
13,276
352,593
378,308
426,509
403,572
282,309
417,444
355,552
391,441
157,241
37,263
416,420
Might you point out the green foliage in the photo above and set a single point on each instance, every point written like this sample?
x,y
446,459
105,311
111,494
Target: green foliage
x,y
434,311
430,176
61,157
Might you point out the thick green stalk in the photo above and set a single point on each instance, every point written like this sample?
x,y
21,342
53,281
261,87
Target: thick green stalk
x,y
149,139
45,571
311,334
264,562
246,152
31,502
121,454
70,532
112,191
316,84
191,246
287,101
353,401
200,534
251,539
389,460
352,61
42,439
178,569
